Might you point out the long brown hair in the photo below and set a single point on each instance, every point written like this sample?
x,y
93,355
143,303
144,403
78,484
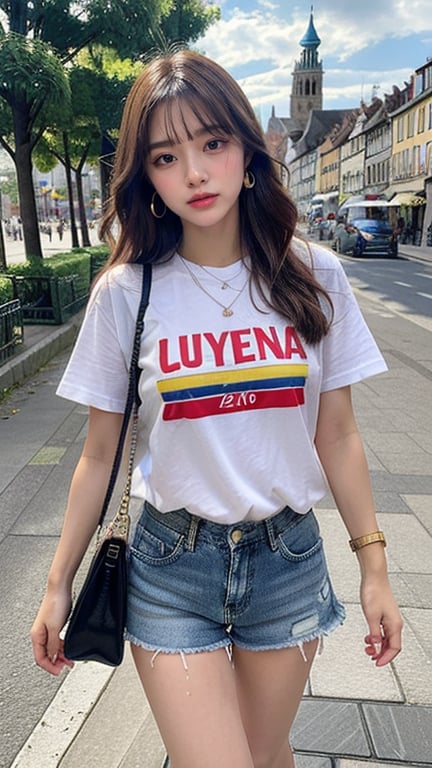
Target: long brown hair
x,y
268,216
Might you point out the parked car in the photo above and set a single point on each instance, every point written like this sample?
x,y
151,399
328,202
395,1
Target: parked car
x,y
364,229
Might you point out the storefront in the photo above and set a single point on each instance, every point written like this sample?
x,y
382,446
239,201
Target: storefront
x,y
409,215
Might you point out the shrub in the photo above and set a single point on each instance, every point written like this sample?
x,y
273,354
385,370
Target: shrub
x,y
79,261
6,290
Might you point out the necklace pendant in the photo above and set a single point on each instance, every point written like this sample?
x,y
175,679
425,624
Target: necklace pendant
x,y
227,312
224,286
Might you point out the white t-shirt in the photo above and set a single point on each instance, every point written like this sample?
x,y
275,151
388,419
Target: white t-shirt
x,y
229,404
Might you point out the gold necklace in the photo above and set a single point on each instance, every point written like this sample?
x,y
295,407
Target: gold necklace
x,y
224,284
227,310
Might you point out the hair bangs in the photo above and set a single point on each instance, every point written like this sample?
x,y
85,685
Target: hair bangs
x,y
212,114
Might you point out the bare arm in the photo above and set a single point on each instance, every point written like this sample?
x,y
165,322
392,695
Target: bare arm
x,y
86,495
341,452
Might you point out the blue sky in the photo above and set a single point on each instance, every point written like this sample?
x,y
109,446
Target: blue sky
x,y
363,44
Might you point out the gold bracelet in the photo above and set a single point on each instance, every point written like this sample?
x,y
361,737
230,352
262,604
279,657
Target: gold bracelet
x,y
368,538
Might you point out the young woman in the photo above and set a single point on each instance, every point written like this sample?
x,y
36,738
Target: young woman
x,y
252,340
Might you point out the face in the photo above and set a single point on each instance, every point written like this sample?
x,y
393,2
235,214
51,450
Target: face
x,y
198,178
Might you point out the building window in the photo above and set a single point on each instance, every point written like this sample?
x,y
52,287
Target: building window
x,y
400,129
421,120
411,121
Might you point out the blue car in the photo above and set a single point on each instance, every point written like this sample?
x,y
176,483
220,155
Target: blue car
x,y
365,230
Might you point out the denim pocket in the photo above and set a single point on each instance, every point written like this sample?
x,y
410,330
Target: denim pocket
x,y
156,543
301,540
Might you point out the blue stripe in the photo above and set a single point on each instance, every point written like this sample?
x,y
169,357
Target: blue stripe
x,y
222,389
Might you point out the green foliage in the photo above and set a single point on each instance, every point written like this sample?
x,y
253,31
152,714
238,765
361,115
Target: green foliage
x,y
128,26
44,158
6,125
97,104
75,262
31,74
83,263
188,20
102,59
48,20
10,188
38,41
6,291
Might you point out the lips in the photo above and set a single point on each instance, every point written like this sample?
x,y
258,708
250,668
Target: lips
x,y
202,201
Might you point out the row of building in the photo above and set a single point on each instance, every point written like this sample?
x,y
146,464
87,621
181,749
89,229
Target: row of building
x,y
383,149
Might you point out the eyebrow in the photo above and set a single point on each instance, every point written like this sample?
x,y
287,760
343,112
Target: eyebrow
x,y
170,143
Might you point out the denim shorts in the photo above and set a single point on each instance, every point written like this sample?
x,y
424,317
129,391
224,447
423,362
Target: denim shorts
x,y
196,585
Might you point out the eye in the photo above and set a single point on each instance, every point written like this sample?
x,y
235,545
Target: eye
x,y
215,144
165,159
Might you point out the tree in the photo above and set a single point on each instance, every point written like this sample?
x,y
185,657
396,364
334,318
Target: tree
x,y
188,20
96,108
63,28
34,86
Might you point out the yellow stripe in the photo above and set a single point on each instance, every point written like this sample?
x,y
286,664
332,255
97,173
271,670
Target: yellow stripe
x,y
231,376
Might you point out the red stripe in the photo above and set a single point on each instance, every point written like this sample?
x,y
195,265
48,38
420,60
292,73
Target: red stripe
x,y
234,403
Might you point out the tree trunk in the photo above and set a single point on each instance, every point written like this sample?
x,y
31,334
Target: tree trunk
x,y
3,265
74,231
28,213
105,166
85,237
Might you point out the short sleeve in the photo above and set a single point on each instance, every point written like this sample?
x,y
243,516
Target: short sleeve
x,y
97,371
349,351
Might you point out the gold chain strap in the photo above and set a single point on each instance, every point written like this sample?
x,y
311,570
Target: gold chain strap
x,y
119,526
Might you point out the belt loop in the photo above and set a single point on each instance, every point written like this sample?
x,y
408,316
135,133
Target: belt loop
x,y
192,533
271,534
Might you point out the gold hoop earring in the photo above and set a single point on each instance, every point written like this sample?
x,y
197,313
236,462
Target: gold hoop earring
x,y
249,180
153,207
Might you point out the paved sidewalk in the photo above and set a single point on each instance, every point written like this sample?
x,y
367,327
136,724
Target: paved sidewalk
x,y
415,252
352,714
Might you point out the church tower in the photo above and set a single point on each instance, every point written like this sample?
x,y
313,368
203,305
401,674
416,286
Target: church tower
x,y
307,81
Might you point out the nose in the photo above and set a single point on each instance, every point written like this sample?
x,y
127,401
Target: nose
x,y
196,173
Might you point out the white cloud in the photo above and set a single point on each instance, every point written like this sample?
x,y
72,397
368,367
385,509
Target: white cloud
x,y
241,37
252,37
260,47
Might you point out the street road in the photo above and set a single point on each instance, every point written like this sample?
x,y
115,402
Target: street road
x,y
404,286
40,440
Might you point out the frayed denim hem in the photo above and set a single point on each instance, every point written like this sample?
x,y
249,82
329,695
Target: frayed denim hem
x,y
232,641
226,643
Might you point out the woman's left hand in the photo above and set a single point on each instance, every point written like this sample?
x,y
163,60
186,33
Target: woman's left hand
x,y
384,639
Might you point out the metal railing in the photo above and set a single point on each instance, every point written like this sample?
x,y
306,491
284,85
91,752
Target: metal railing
x,y
48,300
11,328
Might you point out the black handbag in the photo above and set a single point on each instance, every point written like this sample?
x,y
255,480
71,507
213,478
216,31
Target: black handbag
x,y
95,631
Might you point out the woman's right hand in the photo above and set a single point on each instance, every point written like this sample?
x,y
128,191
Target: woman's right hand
x,y
45,632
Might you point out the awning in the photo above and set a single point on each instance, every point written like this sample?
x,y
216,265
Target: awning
x,y
364,204
321,197
407,198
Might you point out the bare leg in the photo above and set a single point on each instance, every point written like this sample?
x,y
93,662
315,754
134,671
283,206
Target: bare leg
x,y
194,700
270,685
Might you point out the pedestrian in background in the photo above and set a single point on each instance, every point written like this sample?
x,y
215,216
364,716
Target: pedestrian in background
x,y
252,341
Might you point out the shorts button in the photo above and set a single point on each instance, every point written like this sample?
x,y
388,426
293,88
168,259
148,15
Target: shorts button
x,y
236,536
